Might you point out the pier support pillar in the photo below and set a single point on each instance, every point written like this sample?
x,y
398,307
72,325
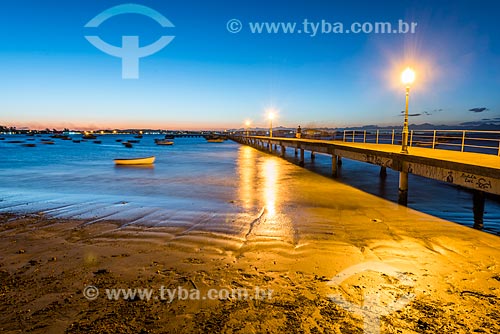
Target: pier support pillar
x,y
478,200
313,155
283,150
403,188
270,146
334,165
296,152
339,161
383,172
301,161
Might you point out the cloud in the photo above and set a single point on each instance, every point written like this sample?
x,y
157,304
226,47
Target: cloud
x,y
478,109
426,112
433,111
412,115
471,123
481,123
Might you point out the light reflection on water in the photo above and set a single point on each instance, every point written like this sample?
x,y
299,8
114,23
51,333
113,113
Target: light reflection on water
x,y
247,176
269,173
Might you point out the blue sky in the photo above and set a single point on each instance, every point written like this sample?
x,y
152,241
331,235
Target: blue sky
x,y
208,77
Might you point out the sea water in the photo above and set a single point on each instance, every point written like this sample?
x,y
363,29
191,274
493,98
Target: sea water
x,y
192,181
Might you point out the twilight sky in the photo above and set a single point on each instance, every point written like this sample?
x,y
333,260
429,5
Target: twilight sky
x,y
208,77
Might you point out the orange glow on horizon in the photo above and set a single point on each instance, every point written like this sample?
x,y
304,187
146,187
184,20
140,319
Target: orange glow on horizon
x,y
124,125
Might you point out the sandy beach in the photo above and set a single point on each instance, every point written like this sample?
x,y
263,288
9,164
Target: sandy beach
x,y
445,277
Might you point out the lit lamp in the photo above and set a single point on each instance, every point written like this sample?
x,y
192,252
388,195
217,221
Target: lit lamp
x,y
247,124
407,78
271,117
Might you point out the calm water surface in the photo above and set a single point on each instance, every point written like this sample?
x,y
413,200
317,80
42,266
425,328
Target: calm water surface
x,y
192,179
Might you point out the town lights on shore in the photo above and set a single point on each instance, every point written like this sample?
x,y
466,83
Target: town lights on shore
x,y
247,125
271,117
407,78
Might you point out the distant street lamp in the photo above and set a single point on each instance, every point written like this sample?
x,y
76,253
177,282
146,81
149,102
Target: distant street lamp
x,y
407,78
247,124
271,117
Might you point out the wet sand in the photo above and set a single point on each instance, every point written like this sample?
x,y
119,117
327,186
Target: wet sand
x,y
46,264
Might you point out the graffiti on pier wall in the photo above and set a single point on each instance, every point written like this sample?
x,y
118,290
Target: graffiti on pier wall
x,y
377,160
449,178
467,180
479,182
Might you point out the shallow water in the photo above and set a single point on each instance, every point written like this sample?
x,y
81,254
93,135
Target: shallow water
x,y
194,185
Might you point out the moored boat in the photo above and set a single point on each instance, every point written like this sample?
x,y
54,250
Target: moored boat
x,y
164,142
136,161
215,140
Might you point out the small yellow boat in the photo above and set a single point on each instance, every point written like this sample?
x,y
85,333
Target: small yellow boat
x,y
164,142
136,161
215,140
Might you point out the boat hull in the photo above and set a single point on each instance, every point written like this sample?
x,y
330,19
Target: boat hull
x,y
136,161
164,142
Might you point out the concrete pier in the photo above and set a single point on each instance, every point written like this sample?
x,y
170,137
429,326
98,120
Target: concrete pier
x,y
383,172
334,165
403,188
478,199
476,171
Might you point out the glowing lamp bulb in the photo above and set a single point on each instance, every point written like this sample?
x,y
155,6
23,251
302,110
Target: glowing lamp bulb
x,y
408,76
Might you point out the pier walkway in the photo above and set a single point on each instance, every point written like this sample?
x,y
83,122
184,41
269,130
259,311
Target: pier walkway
x,y
477,171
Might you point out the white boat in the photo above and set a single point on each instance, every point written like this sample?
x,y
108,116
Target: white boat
x,y
164,142
136,161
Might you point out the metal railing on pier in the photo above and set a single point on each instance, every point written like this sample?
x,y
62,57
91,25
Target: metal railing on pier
x,y
487,142
458,140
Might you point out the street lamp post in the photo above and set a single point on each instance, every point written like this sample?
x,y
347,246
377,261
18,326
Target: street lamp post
x,y
407,77
271,117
